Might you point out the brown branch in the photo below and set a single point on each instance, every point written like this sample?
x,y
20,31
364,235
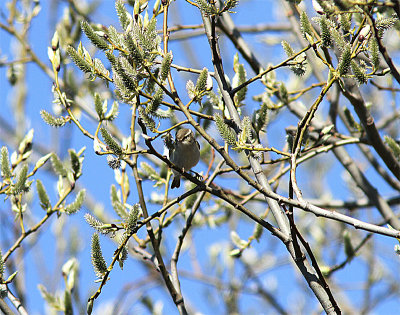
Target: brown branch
x,y
384,88
315,265
17,303
280,217
396,8
176,296
12,31
352,93
358,176
382,48
225,23
348,259
188,224
180,32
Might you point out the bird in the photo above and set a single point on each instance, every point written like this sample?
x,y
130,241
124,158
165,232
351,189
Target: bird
x,y
184,154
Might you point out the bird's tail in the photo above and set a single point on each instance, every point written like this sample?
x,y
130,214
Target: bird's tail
x,y
176,182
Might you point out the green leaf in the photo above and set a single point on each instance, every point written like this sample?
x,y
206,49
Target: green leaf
x,y
96,40
21,184
52,120
43,197
287,48
375,54
123,255
121,91
239,79
123,15
148,38
345,60
258,231
206,7
348,247
115,37
116,203
345,22
134,50
305,26
298,68
111,143
325,32
112,59
42,161
190,88
155,102
131,221
146,119
76,164
147,171
245,134
11,277
5,164
350,119
98,262
237,240
79,60
127,74
201,84
338,38
98,225
283,93
394,146
261,117
230,4
53,301
236,252
113,113
98,106
74,207
165,65
101,70
225,131
58,166
25,146
384,24
359,73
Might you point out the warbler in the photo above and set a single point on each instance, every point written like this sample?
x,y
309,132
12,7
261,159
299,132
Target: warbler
x,y
184,154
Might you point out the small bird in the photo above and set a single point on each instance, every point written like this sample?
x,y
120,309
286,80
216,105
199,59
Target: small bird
x,y
185,153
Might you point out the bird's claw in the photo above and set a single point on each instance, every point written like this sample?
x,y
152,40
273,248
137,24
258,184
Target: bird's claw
x,y
197,175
